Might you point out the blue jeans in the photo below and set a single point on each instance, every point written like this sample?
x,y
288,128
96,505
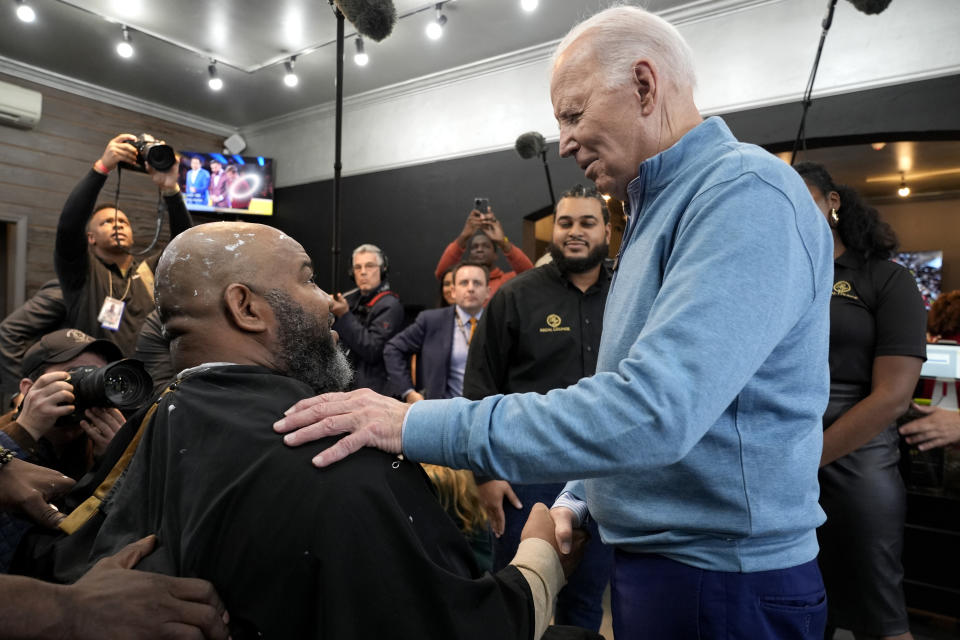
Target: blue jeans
x,y
580,602
655,597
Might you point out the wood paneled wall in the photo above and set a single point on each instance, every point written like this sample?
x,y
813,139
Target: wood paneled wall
x,y
39,168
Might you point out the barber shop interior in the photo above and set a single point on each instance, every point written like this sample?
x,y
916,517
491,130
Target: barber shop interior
x,y
571,319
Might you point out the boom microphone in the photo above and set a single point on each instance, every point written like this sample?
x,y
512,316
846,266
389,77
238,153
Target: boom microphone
x,y
530,144
870,7
372,19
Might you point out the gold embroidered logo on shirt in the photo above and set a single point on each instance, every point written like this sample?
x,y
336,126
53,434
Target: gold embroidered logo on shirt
x,y
553,324
842,288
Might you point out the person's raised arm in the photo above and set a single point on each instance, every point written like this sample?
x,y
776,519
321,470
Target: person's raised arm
x,y
167,181
70,248
367,342
454,251
518,260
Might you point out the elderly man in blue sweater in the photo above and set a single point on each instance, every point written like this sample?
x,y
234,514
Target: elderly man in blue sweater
x,y
696,444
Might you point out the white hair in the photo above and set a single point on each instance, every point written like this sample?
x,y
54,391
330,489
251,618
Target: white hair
x,y
369,248
622,35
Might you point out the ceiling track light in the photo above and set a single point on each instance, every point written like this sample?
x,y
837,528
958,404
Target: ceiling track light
x,y
360,57
435,28
124,47
25,12
215,83
529,5
290,78
904,190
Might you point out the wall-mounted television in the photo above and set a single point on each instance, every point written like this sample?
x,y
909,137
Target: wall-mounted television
x,y
218,183
927,269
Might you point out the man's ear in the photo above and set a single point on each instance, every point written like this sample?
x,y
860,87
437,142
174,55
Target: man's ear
x,y
645,85
91,239
25,385
247,310
606,232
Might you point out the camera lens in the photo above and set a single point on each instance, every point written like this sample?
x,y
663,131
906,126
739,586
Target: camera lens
x,y
124,384
160,156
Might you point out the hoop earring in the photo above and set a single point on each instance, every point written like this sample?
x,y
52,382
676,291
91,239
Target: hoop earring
x,y
834,217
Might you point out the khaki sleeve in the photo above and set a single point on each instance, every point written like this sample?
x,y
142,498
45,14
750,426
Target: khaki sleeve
x,y
538,563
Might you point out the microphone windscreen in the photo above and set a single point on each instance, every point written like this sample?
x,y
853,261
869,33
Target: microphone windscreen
x,y
530,144
372,19
870,7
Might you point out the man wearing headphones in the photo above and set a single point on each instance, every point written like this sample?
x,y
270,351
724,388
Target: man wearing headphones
x,y
369,318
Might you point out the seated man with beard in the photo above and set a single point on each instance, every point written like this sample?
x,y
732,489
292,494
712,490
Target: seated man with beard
x,y
367,552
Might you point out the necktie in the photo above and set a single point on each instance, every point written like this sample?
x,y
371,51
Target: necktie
x,y
473,327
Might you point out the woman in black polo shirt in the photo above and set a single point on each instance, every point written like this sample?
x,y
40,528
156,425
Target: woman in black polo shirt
x,y
877,346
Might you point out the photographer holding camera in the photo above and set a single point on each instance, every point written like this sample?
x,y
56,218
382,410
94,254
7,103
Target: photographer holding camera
x,y
45,429
479,240
109,292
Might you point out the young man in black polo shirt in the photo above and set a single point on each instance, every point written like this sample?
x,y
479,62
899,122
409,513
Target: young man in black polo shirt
x,y
541,331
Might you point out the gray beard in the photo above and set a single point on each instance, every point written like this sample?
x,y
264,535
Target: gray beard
x,y
307,351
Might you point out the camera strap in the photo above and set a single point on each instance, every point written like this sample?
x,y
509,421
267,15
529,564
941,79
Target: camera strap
x,y
89,507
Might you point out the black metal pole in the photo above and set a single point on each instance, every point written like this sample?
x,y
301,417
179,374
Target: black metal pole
x,y
335,249
546,168
808,92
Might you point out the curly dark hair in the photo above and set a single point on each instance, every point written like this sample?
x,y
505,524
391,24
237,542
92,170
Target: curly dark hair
x,y
945,315
580,191
859,226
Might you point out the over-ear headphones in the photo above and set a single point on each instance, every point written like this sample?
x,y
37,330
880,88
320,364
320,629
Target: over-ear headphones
x,y
370,248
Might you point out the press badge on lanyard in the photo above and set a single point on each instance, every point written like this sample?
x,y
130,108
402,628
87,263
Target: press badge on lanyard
x,y
111,313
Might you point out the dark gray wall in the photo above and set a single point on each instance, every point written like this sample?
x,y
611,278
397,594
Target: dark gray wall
x,y
412,213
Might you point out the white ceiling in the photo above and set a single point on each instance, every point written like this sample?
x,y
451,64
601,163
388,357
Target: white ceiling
x,y
175,39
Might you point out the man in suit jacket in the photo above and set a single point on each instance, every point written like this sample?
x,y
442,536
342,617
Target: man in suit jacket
x,y
219,197
441,337
198,182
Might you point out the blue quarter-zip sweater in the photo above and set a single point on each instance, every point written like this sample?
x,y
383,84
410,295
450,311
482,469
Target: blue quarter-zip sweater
x,y
700,435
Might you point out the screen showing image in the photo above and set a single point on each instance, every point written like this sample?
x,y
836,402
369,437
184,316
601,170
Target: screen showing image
x,y
927,268
217,183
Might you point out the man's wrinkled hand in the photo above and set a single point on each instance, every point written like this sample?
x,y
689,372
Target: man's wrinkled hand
x,y
541,525
27,489
492,495
370,419
113,600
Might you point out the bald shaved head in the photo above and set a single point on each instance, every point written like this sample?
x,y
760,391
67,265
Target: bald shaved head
x,y
244,293
201,262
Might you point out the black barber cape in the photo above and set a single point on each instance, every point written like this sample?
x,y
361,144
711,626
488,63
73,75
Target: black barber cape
x,y
361,549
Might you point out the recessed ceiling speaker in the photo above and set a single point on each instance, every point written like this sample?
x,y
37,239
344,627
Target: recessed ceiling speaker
x,y
234,144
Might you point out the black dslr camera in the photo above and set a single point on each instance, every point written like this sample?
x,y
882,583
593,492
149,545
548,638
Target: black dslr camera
x,y
156,153
123,384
